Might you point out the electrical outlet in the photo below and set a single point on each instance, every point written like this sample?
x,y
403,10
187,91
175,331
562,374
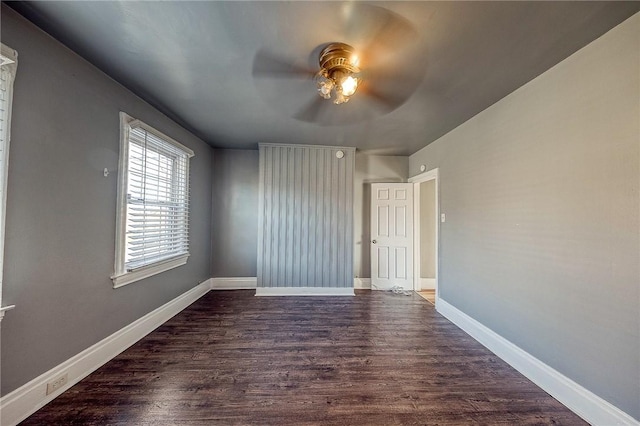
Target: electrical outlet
x,y
57,383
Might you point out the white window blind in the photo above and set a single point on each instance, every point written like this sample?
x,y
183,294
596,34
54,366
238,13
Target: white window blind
x,y
5,80
156,222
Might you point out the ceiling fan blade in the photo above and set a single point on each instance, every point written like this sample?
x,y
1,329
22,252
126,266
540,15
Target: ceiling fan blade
x,y
311,112
270,65
377,31
391,83
387,102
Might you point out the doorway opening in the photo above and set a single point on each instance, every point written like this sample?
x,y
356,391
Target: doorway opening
x,y
426,211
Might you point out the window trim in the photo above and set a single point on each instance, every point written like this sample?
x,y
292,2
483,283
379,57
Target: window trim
x,y
8,59
122,276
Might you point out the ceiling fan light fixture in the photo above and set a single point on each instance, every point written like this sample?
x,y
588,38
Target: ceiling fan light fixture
x,y
349,85
338,70
325,85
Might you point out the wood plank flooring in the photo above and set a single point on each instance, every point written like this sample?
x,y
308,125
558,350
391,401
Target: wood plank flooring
x,y
374,359
428,295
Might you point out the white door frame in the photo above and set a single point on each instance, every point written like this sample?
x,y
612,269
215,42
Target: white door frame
x,y
416,181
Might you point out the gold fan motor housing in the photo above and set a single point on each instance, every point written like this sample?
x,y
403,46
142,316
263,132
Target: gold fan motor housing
x,y
339,56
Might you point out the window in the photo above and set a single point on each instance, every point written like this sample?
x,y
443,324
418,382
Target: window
x,y
8,65
153,196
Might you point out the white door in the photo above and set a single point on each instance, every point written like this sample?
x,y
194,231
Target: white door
x,y
391,235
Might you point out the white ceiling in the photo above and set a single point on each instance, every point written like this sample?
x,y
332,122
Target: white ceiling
x,y
194,61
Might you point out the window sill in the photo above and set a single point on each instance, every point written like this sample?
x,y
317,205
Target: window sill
x,y
148,271
5,309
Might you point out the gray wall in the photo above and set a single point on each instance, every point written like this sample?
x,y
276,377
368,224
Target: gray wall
x,y
234,227
60,229
306,216
428,229
371,169
541,193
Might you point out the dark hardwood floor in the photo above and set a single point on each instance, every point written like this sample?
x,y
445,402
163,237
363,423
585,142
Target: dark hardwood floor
x,y
373,359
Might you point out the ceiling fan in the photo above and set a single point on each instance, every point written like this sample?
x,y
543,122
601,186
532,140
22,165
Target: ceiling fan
x,y
371,71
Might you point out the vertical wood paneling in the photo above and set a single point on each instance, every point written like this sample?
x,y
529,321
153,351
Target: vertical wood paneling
x,y
333,249
291,213
341,220
313,211
281,242
320,237
297,224
325,223
306,216
304,250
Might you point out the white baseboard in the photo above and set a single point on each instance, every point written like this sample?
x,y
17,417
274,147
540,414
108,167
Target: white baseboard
x,y
30,397
427,283
304,291
362,283
578,399
234,283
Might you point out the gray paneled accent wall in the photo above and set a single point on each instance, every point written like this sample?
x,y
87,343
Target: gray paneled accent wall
x,y
61,209
305,236
542,235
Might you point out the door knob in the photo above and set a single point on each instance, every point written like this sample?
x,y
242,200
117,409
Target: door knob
x,y
374,241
